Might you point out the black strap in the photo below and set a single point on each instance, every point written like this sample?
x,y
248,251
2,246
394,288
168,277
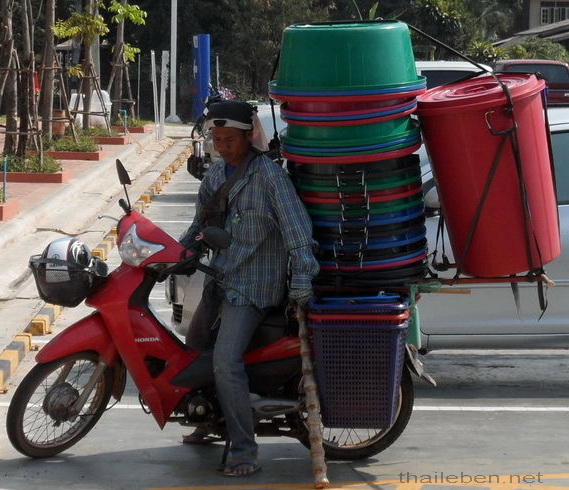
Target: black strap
x,y
542,297
275,143
214,211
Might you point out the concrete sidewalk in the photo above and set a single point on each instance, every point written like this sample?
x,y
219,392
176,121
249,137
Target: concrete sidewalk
x,y
50,211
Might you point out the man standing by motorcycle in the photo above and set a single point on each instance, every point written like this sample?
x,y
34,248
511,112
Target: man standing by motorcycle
x,y
252,198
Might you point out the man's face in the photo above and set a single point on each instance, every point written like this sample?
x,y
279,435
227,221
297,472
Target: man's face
x,y
231,143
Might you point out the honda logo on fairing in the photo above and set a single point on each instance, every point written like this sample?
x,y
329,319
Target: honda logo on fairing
x,y
147,339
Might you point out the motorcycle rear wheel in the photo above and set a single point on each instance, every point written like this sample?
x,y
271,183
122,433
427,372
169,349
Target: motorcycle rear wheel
x,y
341,444
38,422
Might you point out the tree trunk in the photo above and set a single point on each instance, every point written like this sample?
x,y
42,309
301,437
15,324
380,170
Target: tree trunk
x,y
118,69
48,70
8,76
87,84
88,71
11,110
25,81
6,42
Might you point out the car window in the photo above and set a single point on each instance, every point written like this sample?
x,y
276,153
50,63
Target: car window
x,y
560,145
442,77
551,73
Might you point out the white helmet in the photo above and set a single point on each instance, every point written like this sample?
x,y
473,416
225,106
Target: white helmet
x,y
66,272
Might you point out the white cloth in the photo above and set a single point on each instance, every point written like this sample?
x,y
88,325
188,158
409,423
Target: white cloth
x,y
259,138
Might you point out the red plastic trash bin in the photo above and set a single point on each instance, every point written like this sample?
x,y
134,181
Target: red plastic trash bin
x,y
463,125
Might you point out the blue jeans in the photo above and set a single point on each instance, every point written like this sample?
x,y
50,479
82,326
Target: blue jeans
x,y
237,326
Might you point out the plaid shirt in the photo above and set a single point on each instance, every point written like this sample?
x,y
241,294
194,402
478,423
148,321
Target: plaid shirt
x,y
270,229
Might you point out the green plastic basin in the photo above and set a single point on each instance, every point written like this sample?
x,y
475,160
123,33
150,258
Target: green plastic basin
x,y
346,56
360,134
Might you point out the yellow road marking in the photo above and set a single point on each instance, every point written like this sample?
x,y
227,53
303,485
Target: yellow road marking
x,y
396,484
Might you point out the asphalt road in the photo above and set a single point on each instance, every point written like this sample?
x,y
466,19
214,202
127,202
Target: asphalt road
x,y
496,420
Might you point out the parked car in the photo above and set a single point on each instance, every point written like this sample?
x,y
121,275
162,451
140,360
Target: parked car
x,y
443,72
555,73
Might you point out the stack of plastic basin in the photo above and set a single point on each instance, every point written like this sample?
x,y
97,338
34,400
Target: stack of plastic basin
x,y
359,345
348,91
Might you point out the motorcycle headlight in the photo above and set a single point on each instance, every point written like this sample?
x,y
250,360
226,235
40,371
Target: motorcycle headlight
x,y
133,250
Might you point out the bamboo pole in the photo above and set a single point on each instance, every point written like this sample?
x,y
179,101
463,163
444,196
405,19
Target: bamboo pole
x,y
312,404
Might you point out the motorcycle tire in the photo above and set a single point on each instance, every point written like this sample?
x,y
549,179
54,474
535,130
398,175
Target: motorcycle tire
x,y
341,444
38,421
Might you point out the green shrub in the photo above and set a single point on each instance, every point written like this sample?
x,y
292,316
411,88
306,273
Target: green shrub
x,y
31,163
132,122
84,143
96,131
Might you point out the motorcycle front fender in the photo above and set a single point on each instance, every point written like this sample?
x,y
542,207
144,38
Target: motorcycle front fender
x,y
88,334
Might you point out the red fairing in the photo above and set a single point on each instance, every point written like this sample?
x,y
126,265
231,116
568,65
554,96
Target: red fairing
x,y
282,349
148,231
88,334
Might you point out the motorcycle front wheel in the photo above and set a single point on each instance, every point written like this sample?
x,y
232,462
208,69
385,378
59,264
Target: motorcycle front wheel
x,y
342,444
40,421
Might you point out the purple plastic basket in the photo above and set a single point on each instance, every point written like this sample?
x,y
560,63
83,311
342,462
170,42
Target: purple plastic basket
x,y
358,368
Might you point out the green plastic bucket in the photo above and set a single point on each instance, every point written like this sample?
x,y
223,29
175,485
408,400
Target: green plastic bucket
x,y
406,140
346,56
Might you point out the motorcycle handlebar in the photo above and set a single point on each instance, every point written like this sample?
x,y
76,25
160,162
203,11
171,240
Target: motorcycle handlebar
x,y
206,269
190,264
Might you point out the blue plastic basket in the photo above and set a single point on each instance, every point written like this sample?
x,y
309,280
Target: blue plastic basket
x,y
358,368
356,306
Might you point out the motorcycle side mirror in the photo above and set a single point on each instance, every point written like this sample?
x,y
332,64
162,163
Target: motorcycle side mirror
x,y
124,179
216,238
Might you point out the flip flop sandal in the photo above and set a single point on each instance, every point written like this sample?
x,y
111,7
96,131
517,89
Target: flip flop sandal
x,y
198,437
252,468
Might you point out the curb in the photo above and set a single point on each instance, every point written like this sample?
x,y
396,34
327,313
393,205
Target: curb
x,y
42,322
102,250
11,357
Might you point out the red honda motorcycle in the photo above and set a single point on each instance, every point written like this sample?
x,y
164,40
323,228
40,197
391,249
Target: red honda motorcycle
x,y
77,372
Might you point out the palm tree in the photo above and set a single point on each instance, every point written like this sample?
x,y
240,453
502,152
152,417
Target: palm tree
x,y
491,19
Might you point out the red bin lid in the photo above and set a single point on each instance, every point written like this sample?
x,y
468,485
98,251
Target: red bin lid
x,y
478,93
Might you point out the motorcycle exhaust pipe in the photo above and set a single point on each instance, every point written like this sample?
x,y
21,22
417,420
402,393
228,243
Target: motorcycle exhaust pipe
x,y
270,407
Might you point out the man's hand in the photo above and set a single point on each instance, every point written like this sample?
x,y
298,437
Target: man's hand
x,y
300,296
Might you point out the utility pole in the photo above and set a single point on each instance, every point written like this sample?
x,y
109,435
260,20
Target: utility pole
x,y
173,117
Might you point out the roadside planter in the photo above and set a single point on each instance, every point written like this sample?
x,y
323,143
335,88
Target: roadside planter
x,y
76,155
39,177
8,209
134,129
111,140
